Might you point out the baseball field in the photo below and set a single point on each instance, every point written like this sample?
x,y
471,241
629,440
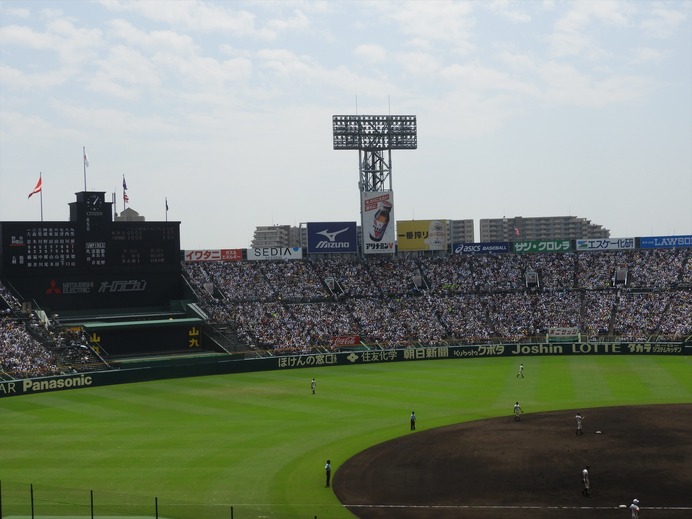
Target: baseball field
x,y
254,445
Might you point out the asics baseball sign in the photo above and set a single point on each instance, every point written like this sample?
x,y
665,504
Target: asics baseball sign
x,y
332,237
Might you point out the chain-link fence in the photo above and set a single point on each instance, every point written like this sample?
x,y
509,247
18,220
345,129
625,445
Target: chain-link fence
x,y
29,501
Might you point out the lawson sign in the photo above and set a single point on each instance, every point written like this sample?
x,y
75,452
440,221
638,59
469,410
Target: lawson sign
x,y
330,237
665,242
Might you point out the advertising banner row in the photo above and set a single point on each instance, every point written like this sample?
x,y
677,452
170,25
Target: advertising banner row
x,y
420,235
226,366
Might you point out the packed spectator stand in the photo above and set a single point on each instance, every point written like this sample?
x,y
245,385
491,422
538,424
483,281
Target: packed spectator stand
x,y
301,306
32,348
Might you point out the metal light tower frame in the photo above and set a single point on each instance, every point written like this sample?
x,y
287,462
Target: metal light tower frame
x,y
375,136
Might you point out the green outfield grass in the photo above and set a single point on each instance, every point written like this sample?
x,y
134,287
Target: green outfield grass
x,y
259,441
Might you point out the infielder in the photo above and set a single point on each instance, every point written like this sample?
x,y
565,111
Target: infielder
x,y
579,419
517,411
585,480
634,508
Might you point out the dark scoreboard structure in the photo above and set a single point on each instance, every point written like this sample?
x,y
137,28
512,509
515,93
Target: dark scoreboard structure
x,y
92,262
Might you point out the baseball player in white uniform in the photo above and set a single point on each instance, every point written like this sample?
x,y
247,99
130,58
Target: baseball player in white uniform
x,y
585,480
579,419
517,412
634,508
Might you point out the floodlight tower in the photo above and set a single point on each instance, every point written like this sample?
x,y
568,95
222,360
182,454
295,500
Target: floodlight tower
x,y
375,136
372,136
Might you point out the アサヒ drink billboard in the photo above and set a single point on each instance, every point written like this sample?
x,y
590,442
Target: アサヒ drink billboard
x,y
378,222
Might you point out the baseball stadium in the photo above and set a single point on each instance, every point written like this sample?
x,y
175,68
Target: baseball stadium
x,y
435,378
140,380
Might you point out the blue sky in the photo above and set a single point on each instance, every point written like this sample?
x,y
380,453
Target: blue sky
x,y
524,109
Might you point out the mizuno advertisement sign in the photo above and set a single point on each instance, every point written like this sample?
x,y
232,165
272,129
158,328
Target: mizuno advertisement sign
x,y
330,237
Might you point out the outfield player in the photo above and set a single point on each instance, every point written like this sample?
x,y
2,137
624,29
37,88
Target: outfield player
x,y
579,419
313,385
328,471
517,411
634,508
413,420
521,371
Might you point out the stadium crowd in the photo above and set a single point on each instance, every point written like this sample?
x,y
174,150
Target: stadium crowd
x,y
29,348
287,307
297,306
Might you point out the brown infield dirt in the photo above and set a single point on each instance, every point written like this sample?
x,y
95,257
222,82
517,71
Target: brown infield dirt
x,y
499,468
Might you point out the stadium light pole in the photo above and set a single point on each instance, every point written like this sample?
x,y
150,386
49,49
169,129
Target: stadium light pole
x,y
374,136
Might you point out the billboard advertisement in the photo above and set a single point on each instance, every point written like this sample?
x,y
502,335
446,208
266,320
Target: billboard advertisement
x,y
332,237
489,247
542,246
377,208
412,235
605,244
665,242
214,255
274,253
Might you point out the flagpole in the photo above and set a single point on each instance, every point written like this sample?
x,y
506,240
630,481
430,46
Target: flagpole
x,y
84,163
40,177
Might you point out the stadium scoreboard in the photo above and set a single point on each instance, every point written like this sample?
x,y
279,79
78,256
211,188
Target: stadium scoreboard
x,y
91,261
90,241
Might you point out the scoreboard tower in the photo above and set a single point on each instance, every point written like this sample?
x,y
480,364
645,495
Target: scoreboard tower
x,y
375,136
92,263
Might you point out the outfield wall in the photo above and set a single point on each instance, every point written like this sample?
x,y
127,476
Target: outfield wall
x,y
158,370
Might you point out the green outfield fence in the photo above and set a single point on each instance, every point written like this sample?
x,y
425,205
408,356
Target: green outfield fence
x,y
29,501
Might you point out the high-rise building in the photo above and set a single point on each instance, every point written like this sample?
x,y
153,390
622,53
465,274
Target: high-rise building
x,y
275,236
460,231
540,228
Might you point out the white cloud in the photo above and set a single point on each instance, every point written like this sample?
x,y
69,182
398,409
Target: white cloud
x,y
435,23
663,23
510,10
648,55
196,16
564,84
16,12
575,32
298,21
371,52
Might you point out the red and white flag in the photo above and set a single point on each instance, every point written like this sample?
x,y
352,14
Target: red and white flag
x,y
86,159
38,188
516,231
